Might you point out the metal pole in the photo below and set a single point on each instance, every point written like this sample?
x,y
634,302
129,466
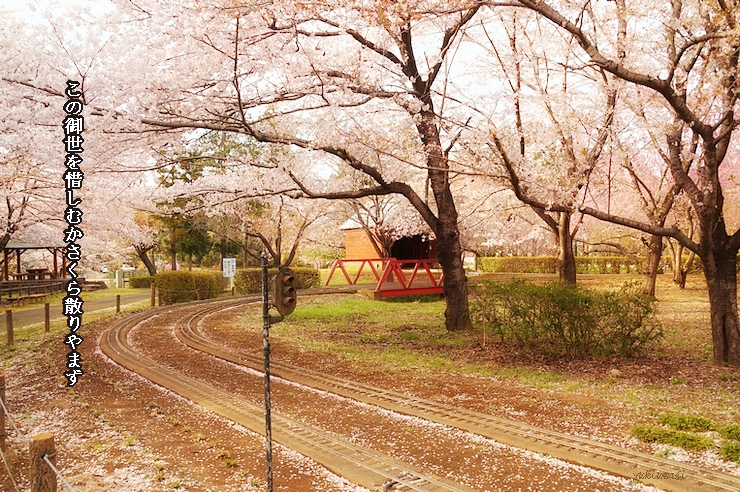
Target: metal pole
x,y
266,347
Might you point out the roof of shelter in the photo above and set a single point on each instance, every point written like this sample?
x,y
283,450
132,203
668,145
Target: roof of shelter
x,y
16,245
351,223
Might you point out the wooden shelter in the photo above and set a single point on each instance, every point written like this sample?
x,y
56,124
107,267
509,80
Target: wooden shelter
x,y
418,247
17,248
357,245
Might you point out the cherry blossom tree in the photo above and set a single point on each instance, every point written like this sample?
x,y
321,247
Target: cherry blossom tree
x,y
28,182
550,132
357,70
692,64
42,49
645,164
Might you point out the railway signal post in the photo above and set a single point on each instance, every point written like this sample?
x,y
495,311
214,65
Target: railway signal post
x,y
284,300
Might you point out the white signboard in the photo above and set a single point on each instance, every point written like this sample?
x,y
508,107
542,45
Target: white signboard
x,y
229,267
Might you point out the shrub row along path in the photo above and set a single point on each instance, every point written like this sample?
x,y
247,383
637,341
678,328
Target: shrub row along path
x,y
378,436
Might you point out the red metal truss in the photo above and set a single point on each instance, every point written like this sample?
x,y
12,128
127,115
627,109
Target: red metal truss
x,y
394,280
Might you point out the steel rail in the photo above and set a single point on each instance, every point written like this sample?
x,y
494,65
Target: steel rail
x,y
657,471
358,464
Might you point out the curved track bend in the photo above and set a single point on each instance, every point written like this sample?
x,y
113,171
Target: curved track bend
x,y
661,472
360,465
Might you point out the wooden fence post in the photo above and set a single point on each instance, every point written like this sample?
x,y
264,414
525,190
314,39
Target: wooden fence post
x,y
197,295
9,325
43,478
118,303
47,318
153,286
2,412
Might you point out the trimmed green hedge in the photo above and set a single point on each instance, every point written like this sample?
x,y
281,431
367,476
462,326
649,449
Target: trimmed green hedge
x,y
584,264
518,264
608,264
249,280
549,264
141,282
182,286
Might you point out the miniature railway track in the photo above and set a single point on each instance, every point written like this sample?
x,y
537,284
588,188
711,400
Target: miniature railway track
x,y
360,465
659,472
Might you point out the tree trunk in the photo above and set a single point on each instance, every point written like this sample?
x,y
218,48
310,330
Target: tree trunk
x,y
652,264
457,316
679,278
246,251
173,251
148,263
681,269
720,272
566,258
449,248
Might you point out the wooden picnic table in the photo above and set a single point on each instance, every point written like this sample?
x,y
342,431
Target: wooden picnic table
x,y
38,273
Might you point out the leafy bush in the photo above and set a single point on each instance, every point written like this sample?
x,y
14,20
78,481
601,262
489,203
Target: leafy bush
x,y
693,423
731,451
562,320
649,433
731,431
249,280
140,282
179,286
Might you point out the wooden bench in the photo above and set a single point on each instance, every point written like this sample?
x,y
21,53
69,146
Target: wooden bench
x,y
17,299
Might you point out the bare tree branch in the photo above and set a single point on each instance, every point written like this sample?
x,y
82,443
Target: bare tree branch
x,y
641,226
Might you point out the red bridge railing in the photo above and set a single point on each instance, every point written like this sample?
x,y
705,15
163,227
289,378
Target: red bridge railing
x,y
395,277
